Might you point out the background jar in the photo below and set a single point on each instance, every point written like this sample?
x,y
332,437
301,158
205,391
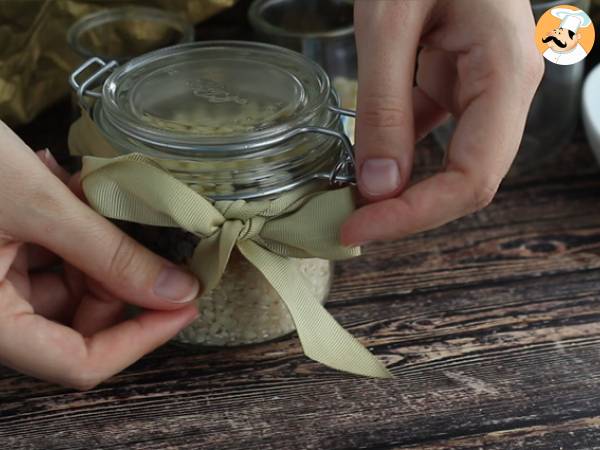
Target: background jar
x,y
121,34
227,137
323,30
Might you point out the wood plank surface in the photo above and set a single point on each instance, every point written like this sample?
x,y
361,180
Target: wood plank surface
x,y
491,326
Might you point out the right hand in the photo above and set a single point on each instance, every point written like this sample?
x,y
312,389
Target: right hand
x,y
479,63
67,326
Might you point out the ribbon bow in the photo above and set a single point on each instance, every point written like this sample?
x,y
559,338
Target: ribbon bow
x,y
301,224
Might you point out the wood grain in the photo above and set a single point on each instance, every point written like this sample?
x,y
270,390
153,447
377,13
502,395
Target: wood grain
x,y
491,326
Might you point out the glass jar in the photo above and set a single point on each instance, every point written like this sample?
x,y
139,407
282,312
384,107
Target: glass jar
x,y
232,120
123,33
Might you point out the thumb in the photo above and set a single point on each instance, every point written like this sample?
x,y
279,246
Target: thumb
x,y
62,223
120,264
387,35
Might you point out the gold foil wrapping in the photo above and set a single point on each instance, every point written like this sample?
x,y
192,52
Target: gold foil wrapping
x,y
35,58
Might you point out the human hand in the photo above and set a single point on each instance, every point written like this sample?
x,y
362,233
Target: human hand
x,y
479,63
67,326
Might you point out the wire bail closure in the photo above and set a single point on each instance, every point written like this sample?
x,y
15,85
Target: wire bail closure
x,y
343,173
84,88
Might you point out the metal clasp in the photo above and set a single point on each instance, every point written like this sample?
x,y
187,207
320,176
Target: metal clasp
x,y
344,172
84,88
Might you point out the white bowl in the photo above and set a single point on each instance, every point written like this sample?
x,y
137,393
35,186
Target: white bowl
x,y
591,110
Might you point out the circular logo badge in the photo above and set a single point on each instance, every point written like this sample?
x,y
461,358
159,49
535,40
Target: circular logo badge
x,y
565,35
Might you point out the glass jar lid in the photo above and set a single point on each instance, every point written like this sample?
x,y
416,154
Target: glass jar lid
x,y
260,116
206,94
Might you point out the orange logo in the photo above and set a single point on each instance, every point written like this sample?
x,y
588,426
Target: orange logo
x,y
565,35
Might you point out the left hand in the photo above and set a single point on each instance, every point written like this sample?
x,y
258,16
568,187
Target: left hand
x,y
67,275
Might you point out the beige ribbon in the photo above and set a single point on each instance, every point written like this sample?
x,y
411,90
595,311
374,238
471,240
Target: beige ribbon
x,y
304,223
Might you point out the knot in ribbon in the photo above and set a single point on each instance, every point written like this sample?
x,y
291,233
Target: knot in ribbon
x,y
238,211
303,223
251,228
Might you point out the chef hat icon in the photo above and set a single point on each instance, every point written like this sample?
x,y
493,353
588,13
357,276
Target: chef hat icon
x,y
572,20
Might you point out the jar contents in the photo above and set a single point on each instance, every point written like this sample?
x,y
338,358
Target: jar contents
x,y
217,112
244,308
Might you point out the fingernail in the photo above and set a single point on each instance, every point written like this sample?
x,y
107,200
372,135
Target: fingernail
x,y
176,285
43,154
380,177
47,158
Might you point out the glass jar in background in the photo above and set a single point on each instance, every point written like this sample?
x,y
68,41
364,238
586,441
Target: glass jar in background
x,y
229,137
323,30
120,34
555,109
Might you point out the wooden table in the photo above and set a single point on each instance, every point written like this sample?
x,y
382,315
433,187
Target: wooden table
x,y
491,326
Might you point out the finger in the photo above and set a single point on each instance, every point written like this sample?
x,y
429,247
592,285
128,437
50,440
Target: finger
x,y
50,162
13,267
481,151
95,314
40,258
97,311
428,113
76,188
20,262
437,77
426,205
51,297
123,266
434,96
387,35
50,351
479,157
8,254
20,282
75,281
45,212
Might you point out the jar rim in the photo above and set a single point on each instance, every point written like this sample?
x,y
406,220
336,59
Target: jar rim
x,y
256,16
310,80
96,19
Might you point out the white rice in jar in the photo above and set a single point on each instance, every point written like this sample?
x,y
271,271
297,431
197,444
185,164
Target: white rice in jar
x,y
244,308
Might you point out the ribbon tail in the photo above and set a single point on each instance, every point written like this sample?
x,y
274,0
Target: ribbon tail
x,y
323,339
